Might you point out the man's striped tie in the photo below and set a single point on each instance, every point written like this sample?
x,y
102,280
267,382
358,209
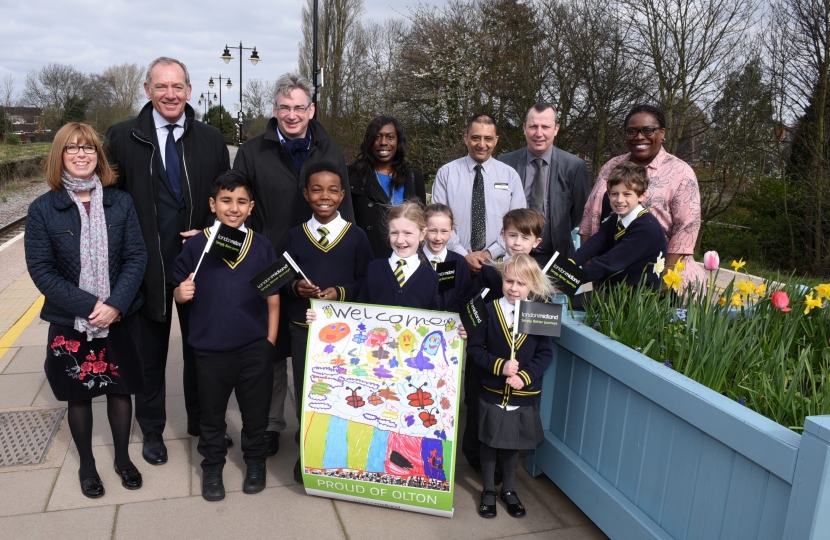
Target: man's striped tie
x,y
323,232
399,272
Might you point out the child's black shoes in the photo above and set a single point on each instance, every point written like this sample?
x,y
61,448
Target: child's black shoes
x,y
487,507
514,505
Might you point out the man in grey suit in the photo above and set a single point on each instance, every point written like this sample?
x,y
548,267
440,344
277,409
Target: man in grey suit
x,y
556,183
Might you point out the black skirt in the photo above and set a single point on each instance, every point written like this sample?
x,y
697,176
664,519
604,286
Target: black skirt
x,y
78,369
519,429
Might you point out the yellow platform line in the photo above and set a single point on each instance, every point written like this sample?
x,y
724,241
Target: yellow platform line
x,y
14,332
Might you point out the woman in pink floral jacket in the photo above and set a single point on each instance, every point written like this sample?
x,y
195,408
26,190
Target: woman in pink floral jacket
x,y
673,195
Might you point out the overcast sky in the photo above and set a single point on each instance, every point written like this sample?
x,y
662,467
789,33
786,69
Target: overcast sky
x,y
94,34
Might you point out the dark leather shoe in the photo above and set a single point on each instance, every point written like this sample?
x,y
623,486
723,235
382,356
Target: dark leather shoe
x,y
228,441
254,478
212,487
298,472
514,508
130,477
92,487
272,442
487,506
154,451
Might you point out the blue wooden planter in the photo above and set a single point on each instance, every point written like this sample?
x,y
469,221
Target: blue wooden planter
x,y
646,452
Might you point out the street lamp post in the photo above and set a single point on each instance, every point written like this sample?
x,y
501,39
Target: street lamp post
x,y
228,86
208,103
226,56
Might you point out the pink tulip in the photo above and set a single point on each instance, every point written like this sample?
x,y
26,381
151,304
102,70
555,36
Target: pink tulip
x,y
711,261
780,300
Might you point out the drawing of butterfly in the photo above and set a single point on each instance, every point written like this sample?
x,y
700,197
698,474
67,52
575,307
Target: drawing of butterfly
x,y
420,398
427,418
354,400
450,325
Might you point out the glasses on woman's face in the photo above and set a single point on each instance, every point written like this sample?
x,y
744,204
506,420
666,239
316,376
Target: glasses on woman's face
x,y
630,133
74,148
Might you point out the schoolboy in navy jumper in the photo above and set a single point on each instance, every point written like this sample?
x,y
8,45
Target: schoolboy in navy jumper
x,y
333,254
439,230
508,415
403,279
522,232
630,241
233,331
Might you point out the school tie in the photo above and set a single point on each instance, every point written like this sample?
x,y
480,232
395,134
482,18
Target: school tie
x,y
478,235
399,272
323,232
536,201
435,261
171,162
620,230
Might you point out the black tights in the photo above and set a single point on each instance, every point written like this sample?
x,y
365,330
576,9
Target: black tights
x,y
120,414
509,460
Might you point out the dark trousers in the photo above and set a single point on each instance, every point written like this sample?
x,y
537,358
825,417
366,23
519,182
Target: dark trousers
x,y
299,343
250,374
470,445
150,411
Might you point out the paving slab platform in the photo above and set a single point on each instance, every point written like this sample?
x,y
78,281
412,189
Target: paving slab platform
x,y
45,501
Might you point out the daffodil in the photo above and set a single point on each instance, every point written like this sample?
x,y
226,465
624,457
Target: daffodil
x,y
673,279
810,303
737,300
761,289
823,291
745,287
679,266
722,301
737,265
660,264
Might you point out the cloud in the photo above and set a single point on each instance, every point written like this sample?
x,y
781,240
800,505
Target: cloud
x,y
93,34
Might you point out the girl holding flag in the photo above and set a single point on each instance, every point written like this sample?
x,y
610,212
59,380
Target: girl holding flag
x,y
511,367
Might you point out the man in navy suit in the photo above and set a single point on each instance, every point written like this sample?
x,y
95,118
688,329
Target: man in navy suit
x,y
556,183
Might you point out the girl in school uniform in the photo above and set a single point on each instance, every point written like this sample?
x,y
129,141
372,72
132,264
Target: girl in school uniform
x,y
508,415
439,229
404,279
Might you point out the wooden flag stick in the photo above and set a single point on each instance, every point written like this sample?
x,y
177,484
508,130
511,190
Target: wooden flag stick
x,y
550,263
516,309
296,267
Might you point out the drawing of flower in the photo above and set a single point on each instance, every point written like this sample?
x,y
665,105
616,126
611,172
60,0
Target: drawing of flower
x,y
86,366
72,345
59,340
82,375
99,367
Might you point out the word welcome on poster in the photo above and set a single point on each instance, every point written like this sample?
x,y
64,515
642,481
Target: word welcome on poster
x,y
380,406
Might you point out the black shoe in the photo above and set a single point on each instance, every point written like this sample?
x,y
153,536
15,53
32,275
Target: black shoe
x,y
254,478
272,442
92,487
514,505
130,477
498,475
487,507
228,440
298,472
154,451
212,487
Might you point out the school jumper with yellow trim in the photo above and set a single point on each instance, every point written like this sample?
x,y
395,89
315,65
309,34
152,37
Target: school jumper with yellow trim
x,y
228,314
620,253
489,348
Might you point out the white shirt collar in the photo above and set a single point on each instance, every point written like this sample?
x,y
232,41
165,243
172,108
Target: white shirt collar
x,y
335,226
507,310
471,163
409,268
430,255
162,123
626,221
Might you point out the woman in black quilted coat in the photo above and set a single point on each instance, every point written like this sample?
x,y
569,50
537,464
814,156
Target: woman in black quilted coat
x,y
85,253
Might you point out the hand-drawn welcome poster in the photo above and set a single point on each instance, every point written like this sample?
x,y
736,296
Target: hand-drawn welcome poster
x,y
380,406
